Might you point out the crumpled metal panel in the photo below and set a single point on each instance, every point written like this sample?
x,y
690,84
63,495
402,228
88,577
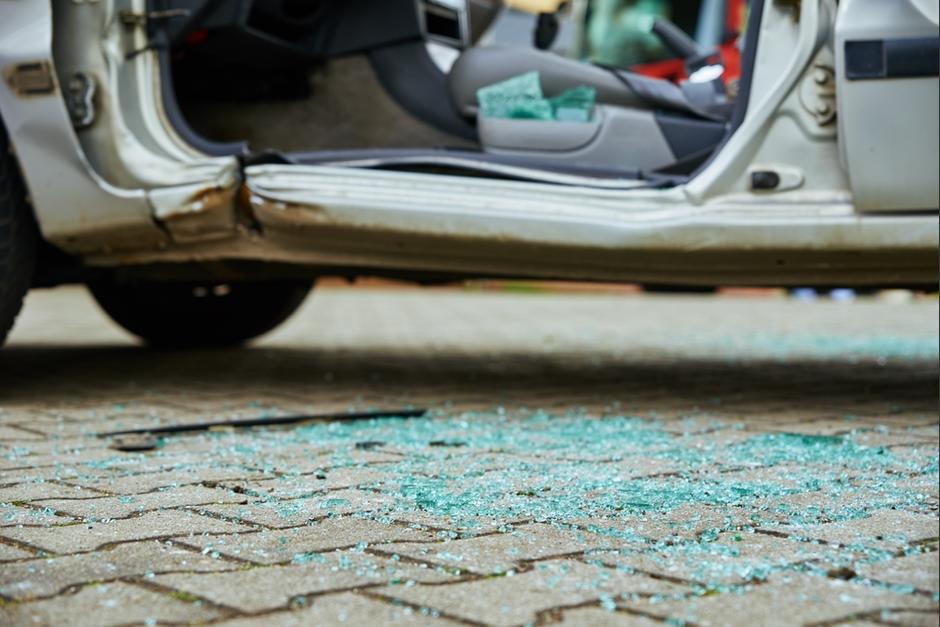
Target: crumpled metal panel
x,y
198,212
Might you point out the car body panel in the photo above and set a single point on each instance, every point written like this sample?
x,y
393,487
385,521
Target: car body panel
x,y
71,201
889,131
161,201
368,218
99,188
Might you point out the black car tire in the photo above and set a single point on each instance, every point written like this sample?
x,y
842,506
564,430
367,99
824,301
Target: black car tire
x,y
665,288
18,238
191,315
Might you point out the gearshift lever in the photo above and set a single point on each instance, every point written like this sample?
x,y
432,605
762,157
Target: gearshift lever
x,y
546,30
547,24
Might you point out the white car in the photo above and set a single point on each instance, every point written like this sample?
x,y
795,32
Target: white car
x,y
198,163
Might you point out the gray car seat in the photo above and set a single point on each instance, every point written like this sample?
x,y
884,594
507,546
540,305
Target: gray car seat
x,y
640,122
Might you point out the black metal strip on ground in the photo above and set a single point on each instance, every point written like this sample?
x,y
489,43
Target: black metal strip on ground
x,y
247,423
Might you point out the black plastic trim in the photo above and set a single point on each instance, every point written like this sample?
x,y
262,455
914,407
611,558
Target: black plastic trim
x,y
180,125
873,59
748,65
689,136
158,34
746,81
416,158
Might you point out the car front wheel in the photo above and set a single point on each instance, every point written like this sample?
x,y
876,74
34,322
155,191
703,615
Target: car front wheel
x,y
202,314
18,238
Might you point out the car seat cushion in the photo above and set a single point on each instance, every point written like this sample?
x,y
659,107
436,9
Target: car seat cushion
x,y
485,65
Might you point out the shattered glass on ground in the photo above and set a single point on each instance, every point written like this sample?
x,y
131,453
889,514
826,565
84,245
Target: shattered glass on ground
x,y
796,487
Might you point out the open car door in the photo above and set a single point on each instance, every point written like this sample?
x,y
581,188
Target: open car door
x,y
887,82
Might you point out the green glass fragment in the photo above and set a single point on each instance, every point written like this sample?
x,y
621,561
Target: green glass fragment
x,y
502,99
574,105
521,98
530,110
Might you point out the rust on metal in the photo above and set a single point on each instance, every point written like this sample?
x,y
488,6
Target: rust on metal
x,y
205,214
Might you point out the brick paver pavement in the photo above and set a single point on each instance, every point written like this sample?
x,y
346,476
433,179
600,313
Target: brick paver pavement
x,y
588,460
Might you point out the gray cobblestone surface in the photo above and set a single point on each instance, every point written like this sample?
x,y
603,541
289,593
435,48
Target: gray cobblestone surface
x,y
588,460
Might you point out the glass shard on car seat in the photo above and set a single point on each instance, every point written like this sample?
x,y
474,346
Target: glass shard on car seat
x,y
517,97
574,105
521,97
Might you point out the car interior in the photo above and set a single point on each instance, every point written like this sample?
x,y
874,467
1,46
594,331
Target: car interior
x,y
394,84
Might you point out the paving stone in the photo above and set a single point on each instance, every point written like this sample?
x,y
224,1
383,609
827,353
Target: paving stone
x,y
294,512
827,505
888,530
345,609
113,412
16,464
802,599
688,425
46,474
64,429
878,437
920,571
730,558
929,432
42,577
265,588
8,553
88,536
920,494
123,506
275,546
923,618
456,525
686,522
106,604
925,484
49,447
518,599
701,378
786,476
717,440
921,455
26,492
15,516
304,463
500,552
92,460
289,486
598,617
148,481
634,466
827,426
9,433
